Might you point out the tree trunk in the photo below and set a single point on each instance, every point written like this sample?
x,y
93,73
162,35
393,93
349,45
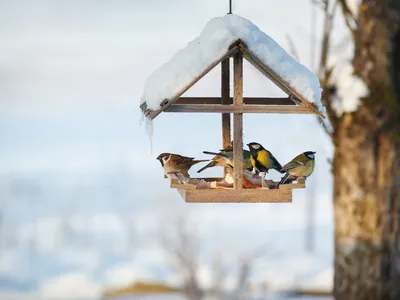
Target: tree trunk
x,y
366,165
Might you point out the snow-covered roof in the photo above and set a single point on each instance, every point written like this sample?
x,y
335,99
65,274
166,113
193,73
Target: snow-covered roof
x,y
170,80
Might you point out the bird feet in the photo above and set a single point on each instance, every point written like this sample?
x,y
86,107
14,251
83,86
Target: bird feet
x,y
179,176
263,183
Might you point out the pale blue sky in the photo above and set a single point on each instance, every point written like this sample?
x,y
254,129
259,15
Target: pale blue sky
x,y
71,77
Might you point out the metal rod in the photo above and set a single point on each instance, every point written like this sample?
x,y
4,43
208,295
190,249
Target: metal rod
x,y
230,7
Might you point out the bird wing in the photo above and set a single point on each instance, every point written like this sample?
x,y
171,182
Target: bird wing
x,y
216,154
275,162
183,160
295,162
291,165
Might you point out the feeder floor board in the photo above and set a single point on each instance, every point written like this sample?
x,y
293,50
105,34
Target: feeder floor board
x,y
260,195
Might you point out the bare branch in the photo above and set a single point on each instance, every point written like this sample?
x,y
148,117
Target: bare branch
x,y
324,72
349,18
322,4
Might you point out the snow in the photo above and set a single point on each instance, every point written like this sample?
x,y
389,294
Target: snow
x,y
211,45
125,274
71,286
354,6
350,88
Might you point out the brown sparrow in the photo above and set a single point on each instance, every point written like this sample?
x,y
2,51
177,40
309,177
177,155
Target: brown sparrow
x,y
175,163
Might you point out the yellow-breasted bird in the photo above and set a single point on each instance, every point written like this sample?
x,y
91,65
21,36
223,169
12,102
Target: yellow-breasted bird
x,y
227,158
262,160
175,163
300,166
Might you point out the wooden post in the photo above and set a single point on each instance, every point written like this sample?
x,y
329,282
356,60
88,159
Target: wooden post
x,y
238,121
225,100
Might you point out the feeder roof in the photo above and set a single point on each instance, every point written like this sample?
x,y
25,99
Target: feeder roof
x,y
215,42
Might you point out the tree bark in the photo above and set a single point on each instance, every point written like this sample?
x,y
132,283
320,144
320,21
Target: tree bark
x,y
366,165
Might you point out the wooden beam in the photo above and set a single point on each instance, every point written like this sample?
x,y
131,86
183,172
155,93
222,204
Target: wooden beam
x,y
238,121
168,102
246,100
255,109
225,97
268,72
236,196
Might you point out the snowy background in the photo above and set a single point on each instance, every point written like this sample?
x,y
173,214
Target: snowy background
x,y
82,197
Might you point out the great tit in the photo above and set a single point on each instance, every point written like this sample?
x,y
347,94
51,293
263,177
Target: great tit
x,y
262,160
300,166
175,163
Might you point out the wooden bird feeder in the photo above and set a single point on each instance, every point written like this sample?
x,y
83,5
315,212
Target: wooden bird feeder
x,y
294,103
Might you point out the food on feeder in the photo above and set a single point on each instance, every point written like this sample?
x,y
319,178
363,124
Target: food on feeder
x,y
178,164
300,166
262,160
256,181
248,184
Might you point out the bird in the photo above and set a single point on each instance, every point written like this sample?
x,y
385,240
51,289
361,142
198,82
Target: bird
x,y
227,158
262,160
301,166
217,160
175,163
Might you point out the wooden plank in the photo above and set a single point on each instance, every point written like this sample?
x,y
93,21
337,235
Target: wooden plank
x,y
194,81
183,186
301,180
225,96
237,121
207,179
255,109
268,72
246,100
292,186
236,196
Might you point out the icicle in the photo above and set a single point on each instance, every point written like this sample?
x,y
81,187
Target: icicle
x,y
141,119
149,130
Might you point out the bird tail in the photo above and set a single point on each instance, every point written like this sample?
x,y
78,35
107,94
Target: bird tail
x,y
210,165
199,161
214,153
284,178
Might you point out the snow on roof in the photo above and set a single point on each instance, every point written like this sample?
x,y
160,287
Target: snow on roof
x,y
211,45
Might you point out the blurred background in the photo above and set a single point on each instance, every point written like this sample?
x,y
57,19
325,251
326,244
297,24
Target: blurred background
x,y
84,207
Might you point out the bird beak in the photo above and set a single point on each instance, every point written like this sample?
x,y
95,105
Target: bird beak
x,y
314,152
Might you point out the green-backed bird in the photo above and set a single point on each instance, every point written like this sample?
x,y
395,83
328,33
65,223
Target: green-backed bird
x,y
227,159
300,166
262,160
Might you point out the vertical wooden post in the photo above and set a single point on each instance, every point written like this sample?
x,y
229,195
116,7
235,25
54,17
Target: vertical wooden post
x,y
225,95
238,121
